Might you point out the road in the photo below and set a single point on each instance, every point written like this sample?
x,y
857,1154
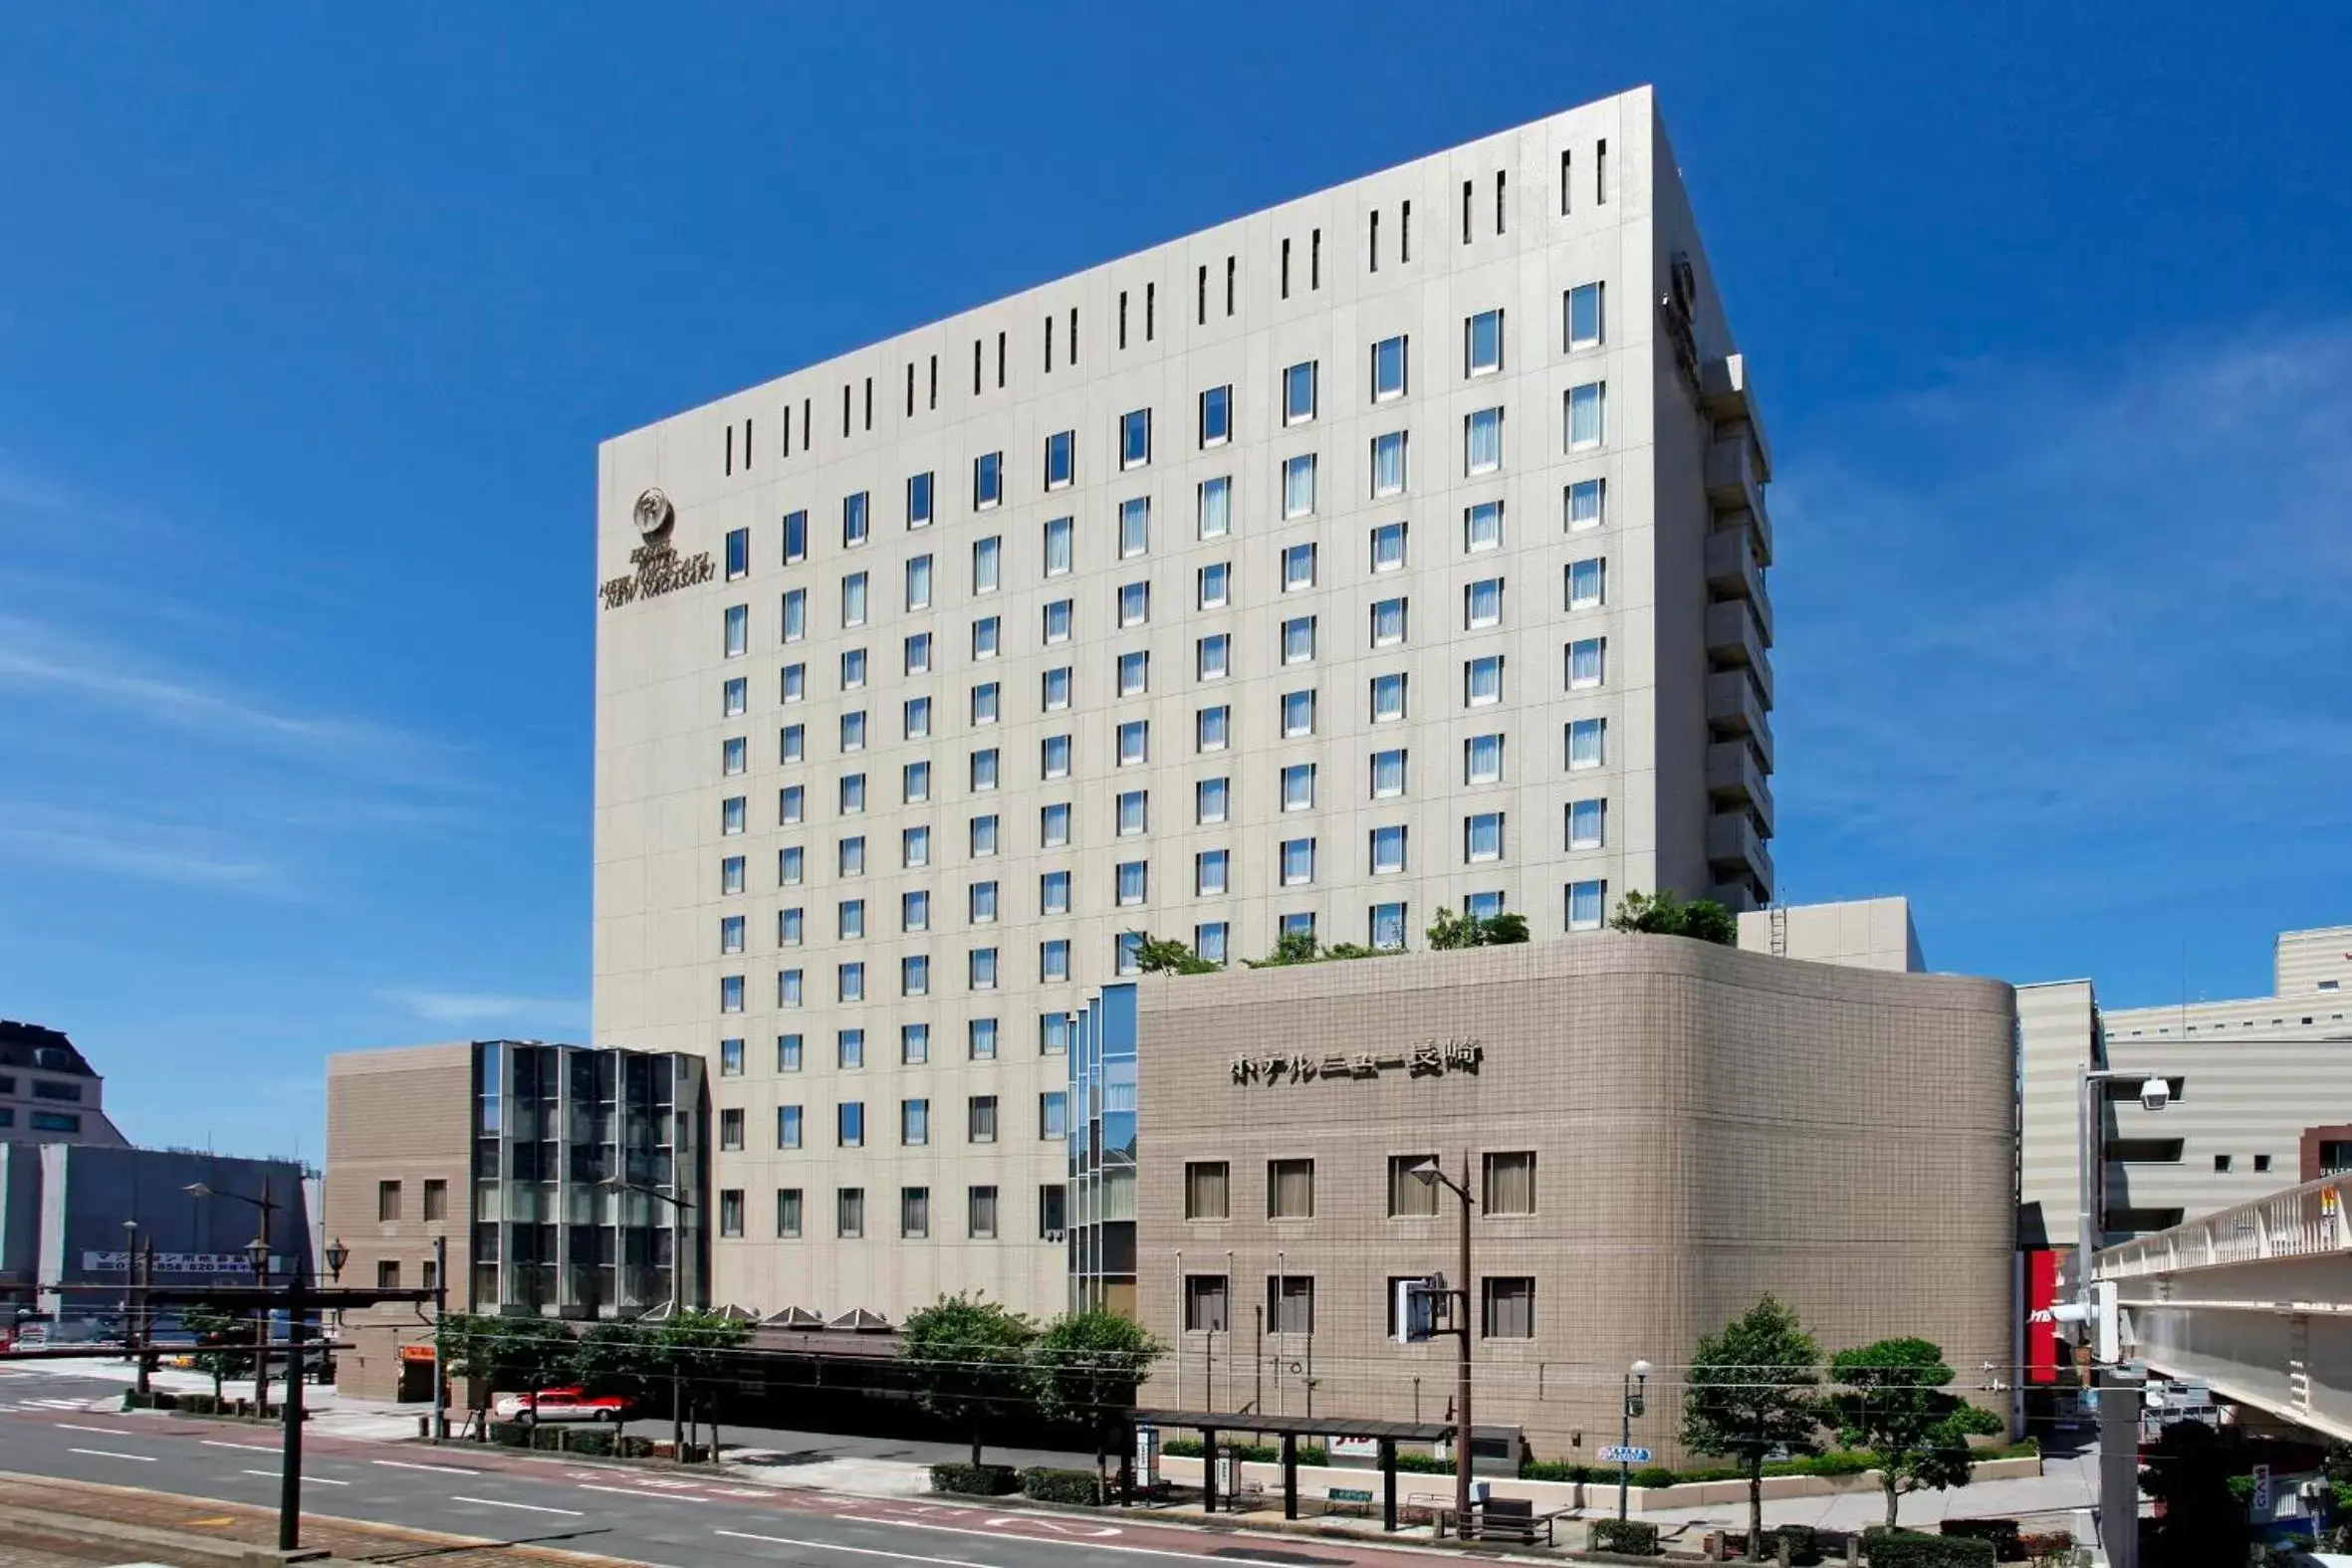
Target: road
x,y
664,1518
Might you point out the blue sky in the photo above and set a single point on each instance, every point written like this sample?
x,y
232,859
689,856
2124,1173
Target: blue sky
x,y
308,332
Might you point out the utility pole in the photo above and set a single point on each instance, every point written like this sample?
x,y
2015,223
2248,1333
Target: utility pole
x,y
290,1463
440,1417
1462,1428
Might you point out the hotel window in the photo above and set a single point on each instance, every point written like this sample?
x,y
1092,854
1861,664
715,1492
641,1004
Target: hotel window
x,y
1486,906
980,1119
980,903
1388,775
853,599
981,1204
1052,1203
1054,893
792,805
1053,756
739,629
852,794
980,968
914,971
1481,837
1584,905
1299,640
1209,802
1207,1194
1134,527
731,1209
1135,438
987,563
788,1213
1204,1307
918,584
1297,863
1053,1033
1060,458
730,1130
1482,343
1388,547
1584,316
984,769
1482,526
1215,416
984,837
1054,693
849,1124
1588,824
914,911
849,1213
1299,924
915,723
795,617
1585,502
1482,760
1299,486
848,983
1134,812
1388,850
1585,663
788,1126
1507,1186
918,653
988,636
1211,657
914,1123
793,683
1587,583
853,669
914,1212
850,856
788,871
988,480
436,1208
850,918
1481,441
850,1050
787,1059
1388,699
1298,394
1057,616
387,1200
1298,568
732,811
1482,603
1297,715
1061,544
1216,508
731,994
1387,927
1134,674
1054,826
918,499
1409,1196
1388,369
980,1039
1136,742
1054,962
1388,622
915,784
853,523
1587,415
1388,463
1299,788
1289,1191
853,731
1508,1307
1133,882
1587,743
1211,869
914,1044
1134,603
796,537
1210,940
1128,952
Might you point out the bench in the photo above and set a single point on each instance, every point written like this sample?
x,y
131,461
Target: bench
x,y
1354,1500
1509,1519
1424,1507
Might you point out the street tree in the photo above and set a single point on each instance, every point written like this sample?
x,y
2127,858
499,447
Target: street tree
x,y
969,1361
522,1354
620,1359
1891,1402
692,1349
1751,1395
224,1343
1088,1366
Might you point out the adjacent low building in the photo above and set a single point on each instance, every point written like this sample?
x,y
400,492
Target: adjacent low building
x,y
48,1093
1655,1133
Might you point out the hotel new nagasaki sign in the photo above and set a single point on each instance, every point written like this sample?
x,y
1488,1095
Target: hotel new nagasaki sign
x,y
1430,1059
658,568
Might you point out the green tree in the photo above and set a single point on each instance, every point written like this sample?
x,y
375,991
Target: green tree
x,y
1663,914
519,1354
692,1347
618,1358
1750,1395
1088,1366
1167,956
224,1343
1891,1402
969,1361
2187,1473
1448,931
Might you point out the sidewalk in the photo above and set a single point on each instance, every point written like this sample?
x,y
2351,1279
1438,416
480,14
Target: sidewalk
x,y
332,1413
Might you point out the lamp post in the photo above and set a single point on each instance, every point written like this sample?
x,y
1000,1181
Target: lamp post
x,y
131,1304
1637,1379
2155,1094
678,1205
1430,1173
2119,1503
257,1251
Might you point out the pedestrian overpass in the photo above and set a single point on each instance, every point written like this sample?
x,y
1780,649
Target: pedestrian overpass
x,y
2254,1301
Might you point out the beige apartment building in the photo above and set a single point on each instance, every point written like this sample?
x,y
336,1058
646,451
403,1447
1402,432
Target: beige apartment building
x,y
1401,545
1656,1132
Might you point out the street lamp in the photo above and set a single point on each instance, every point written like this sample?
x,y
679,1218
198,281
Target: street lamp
x,y
337,1255
2155,1094
1637,1379
256,1253
678,1206
1429,1172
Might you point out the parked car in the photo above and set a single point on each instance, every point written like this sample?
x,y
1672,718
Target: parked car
x,y
560,1404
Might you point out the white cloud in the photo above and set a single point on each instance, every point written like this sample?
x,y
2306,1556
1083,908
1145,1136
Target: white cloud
x,y
451,1006
153,851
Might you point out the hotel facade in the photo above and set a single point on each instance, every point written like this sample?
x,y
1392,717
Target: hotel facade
x,y
1399,547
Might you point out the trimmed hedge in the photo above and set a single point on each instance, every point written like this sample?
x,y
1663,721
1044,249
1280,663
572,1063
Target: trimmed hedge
x,y
1883,1548
2050,1544
1555,1471
547,1437
2003,1533
1654,1475
511,1433
596,1442
1048,1484
1630,1536
1805,1544
975,1480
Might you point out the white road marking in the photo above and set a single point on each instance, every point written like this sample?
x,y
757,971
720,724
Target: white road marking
x,y
250,1448
1059,1526
529,1507
323,1480
860,1551
631,1491
108,1454
67,1426
1042,1540
438,1470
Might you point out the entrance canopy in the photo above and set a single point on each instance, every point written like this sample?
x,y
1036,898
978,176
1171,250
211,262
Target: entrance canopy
x,y
1388,1434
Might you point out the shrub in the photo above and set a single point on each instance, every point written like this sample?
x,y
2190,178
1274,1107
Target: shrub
x,y
1655,1475
1554,1471
1182,1447
1424,1464
510,1434
636,1448
2052,1544
2003,1533
975,1480
545,1437
591,1440
1630,1536
1047,1484
1804,1545
1884,1548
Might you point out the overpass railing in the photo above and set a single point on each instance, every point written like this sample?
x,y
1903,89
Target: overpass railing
x,y
2301,1222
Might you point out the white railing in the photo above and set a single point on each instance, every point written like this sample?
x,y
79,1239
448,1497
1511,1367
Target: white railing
x,y
2301,1222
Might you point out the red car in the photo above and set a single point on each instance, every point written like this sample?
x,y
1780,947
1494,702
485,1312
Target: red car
x,y
560,1404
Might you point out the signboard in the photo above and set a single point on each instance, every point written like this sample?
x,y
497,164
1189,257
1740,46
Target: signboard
x,y
1355,1448
237,1263
2261,1498
1429,1059
1617,1453
1147,1455
1417,1310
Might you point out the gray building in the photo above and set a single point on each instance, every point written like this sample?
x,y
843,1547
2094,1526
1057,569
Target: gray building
x,y
1399,547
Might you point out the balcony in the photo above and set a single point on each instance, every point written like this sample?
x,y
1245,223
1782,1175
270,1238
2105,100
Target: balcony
x,y
1734,843
1735,706
1728,400
1736,776
1734,572
1736,636
1736,471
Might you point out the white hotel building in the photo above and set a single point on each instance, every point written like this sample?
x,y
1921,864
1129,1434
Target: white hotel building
x,y
1401,545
